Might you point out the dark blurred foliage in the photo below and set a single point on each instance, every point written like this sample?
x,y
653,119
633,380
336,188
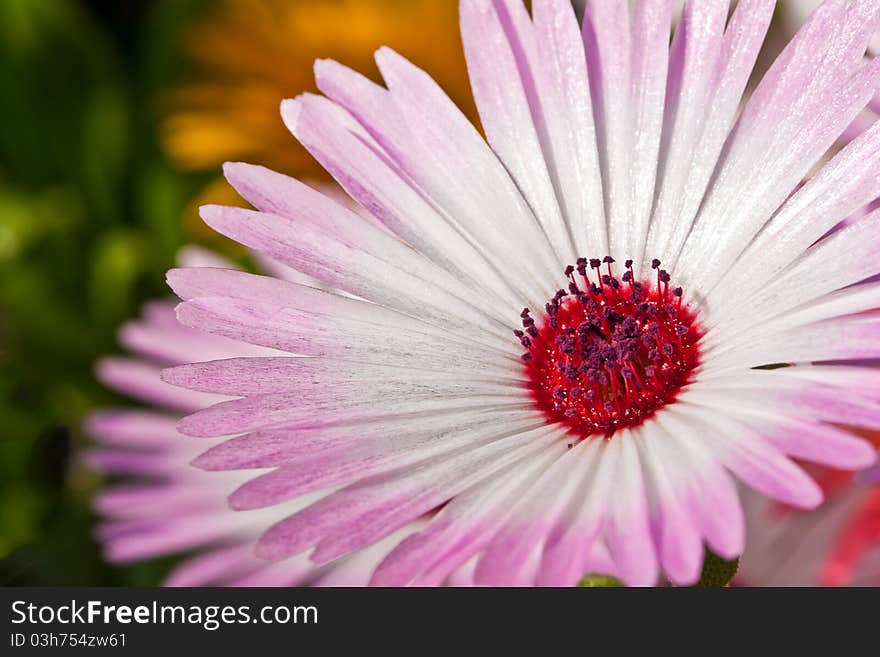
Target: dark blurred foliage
x,y
89,221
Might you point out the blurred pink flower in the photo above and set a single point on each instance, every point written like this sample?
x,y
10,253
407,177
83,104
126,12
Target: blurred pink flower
x,y
837,544
160,504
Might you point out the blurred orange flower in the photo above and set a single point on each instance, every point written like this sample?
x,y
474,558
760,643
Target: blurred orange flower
x,y
247,55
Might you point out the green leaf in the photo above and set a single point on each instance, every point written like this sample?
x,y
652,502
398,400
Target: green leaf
x,y
600,581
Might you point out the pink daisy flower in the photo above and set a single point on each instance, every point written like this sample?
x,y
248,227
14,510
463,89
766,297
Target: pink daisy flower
x,y
559,341
160,505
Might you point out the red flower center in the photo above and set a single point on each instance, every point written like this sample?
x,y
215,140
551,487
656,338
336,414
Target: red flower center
x,y
608,352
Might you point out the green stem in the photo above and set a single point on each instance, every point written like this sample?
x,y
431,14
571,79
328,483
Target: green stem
x,y
717,572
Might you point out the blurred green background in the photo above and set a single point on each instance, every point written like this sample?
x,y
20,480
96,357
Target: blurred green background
x,y
90,218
